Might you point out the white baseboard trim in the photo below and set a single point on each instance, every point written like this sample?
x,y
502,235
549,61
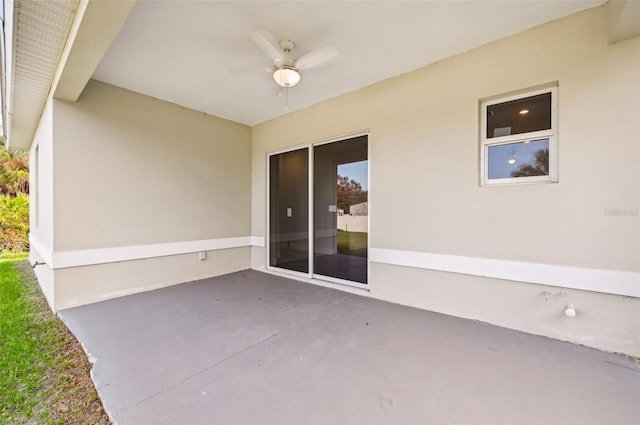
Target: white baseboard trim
x,y
88,257
596,280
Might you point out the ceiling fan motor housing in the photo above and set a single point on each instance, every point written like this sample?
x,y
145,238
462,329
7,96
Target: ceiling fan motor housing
x,y
287,45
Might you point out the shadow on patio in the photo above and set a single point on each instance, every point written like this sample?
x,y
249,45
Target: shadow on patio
x,y
254,348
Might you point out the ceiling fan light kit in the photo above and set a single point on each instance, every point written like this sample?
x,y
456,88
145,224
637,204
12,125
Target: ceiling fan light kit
x,y
286,76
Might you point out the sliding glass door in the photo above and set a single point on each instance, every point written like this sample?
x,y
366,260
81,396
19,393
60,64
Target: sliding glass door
x,y
289,210
340,199
338,218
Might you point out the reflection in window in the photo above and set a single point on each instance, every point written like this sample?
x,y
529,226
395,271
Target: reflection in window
x,y
341,225
523,159
519,116
289,210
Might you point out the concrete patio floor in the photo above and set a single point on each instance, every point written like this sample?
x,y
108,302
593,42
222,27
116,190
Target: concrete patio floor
x,y
255,348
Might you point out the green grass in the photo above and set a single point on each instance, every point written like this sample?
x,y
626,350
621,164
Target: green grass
x,y
352,243
44,374
23,365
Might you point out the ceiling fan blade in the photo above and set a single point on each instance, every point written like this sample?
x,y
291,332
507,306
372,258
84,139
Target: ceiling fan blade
x,y
317,58
269,45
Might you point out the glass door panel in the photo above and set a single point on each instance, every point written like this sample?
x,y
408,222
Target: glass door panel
x,y
289,210
341,209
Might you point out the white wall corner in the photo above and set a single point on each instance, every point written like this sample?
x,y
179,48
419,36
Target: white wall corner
x,y
40,260
43,251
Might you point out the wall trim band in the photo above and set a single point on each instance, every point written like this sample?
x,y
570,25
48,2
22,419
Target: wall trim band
x,y
595,280
257,241
88,257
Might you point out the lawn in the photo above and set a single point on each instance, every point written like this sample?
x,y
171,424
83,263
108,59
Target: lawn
x,y
44,373
352,243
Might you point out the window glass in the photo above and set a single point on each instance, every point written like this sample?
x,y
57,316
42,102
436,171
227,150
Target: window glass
x,y
518,116
521,159
289,210
341,221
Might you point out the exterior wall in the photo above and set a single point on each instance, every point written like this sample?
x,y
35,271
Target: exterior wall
x,y
41,180
608,322
132,170
137,178
41,201
424,130
86,284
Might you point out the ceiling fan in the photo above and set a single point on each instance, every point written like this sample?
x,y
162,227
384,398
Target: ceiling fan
x,y
286,68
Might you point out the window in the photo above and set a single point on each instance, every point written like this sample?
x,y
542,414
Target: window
x,y
519,140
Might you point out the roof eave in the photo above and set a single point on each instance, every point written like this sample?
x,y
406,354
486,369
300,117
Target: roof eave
x,y
77,34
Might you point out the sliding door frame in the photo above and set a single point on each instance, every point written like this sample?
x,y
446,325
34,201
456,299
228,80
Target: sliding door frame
x,y
311,230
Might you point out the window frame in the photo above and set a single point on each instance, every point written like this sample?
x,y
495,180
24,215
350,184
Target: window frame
x,y
551,134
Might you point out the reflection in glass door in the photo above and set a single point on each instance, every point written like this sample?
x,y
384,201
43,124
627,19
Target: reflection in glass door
x,y
289,210
339,221
341,209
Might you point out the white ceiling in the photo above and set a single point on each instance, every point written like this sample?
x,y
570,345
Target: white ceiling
x,y
189,52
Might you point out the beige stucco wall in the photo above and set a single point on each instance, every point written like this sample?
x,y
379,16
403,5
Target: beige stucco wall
x,y
41,180
132,172
424,152
82,285
608,322
41,201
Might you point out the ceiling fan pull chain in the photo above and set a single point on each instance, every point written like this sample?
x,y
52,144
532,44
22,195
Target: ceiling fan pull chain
x,y
286,98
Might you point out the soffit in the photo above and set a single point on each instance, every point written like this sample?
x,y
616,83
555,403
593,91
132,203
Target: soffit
x,y
40,34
